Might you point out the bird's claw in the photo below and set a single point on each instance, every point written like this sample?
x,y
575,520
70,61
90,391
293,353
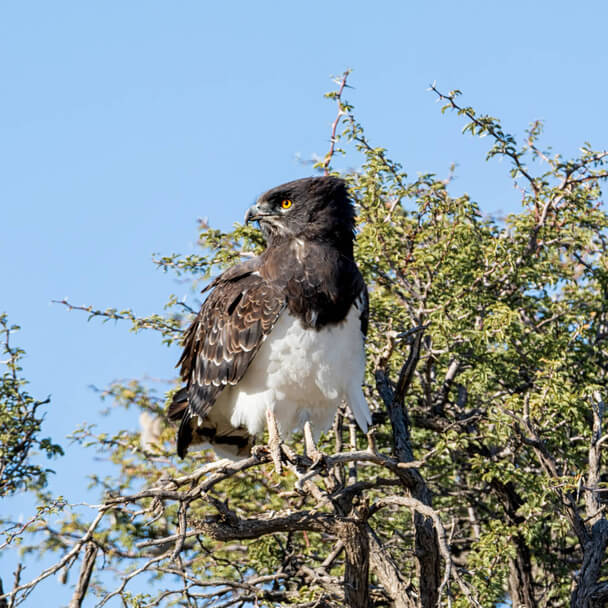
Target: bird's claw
x,y
259,451
288,454
318,461
317,457
279,453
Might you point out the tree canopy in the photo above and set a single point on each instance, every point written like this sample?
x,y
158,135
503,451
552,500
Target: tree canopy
x,y
20,423
482,480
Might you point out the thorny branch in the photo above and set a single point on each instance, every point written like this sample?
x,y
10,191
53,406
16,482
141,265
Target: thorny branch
x,y
334,127
159,553
572,174
154,322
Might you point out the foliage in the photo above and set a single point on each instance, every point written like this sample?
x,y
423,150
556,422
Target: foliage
x,y
487,365
20,423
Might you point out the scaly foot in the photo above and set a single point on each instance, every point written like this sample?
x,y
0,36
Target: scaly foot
x,y
311,449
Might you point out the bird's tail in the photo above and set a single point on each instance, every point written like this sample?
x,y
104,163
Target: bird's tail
x,y
226,440
178,404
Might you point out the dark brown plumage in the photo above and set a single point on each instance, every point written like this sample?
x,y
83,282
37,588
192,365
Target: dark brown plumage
x,y
307,270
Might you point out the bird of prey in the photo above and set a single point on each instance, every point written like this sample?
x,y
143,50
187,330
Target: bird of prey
x,y
280,337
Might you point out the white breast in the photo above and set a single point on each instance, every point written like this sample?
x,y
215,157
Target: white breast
x,y
302,375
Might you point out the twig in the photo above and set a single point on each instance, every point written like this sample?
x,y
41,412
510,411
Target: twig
x,y
334,126
427,511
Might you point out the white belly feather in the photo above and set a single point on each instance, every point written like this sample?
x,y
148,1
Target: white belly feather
x,y
302,375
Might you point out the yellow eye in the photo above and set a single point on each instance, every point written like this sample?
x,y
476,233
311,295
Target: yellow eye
x,y
286,204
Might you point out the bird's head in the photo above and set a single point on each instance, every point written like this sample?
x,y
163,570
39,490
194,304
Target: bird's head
x,y
313,208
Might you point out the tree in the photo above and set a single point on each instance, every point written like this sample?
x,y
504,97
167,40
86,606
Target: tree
x,y
20,423
20,426
482,479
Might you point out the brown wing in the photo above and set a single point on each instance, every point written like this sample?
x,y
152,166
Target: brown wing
x,y
222,341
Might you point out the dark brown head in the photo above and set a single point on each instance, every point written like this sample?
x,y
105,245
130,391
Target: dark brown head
x,y
313,209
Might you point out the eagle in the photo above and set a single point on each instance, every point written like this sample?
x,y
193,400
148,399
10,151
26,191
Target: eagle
x,y
281,336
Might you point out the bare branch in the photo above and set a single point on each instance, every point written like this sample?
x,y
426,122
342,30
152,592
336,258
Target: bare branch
x,y
450,570
86,570
334,127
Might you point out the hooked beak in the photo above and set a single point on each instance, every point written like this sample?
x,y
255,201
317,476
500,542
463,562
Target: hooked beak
x,y
262,213
255,213
252,214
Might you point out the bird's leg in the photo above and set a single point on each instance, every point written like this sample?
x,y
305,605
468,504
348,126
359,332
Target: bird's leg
x,y
372,448
311,449
274,441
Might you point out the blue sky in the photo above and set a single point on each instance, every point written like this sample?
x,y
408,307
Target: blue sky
x,y
124,122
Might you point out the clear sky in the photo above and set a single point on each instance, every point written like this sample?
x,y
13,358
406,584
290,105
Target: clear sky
x,y
121,123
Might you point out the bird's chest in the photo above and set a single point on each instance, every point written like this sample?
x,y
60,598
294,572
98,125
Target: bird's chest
x,y
302,373
299,358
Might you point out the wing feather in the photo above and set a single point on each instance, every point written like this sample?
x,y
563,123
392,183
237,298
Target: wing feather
x,y
225,336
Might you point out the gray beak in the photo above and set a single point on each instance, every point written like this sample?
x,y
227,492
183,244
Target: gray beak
x,y
252,214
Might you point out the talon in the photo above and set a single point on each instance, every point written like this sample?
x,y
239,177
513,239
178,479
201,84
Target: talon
x,y
289,454
318,461
258,451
